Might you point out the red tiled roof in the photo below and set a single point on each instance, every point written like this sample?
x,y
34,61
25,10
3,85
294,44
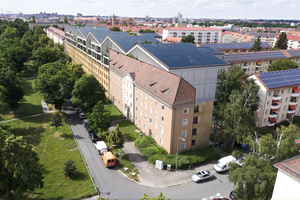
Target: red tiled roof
x,y
290,166
290,37
172,39
170,88
192,29
57,31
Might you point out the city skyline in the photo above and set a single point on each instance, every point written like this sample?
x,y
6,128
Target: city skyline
x,y
218,9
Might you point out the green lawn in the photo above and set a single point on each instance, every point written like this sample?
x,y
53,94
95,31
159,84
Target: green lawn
x,y
53,150
129,129
115,114
31,104
28,71
265,130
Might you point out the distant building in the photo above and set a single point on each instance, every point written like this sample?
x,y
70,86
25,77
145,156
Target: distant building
x,y
172,40
293,38
279,96
202,35
31,25
264,37
79,15
236,47
287,182
232,37
57,35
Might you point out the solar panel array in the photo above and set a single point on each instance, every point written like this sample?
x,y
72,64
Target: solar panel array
x,y
209,50
255,56
182,55
280,78
294,53
247,45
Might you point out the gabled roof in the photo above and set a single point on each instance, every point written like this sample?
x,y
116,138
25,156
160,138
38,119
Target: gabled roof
x,y
229,46
169,88
57,31
290,167
192,29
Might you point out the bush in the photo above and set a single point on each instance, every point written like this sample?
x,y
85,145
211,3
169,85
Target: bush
x,y
69,168
153,152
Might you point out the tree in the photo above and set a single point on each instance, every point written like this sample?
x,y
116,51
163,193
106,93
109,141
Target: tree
x,y
56,120
146,31
2,98
257,45
188,39
13,88
159,197
66,20
115,29
19,169
98,119
75,69
69,168
282,64
55,83
116,137
281,43
33,19
87,92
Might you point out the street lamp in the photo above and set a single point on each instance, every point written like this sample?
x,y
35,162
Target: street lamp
x,y
177,150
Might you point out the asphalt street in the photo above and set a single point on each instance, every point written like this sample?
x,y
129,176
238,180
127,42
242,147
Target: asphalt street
x,y
113,185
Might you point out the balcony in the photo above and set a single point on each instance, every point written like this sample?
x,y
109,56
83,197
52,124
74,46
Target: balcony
x,y
270,124
275,106
295,94
291,111
258,66
273,115
292,107
293,103
245,67
276,98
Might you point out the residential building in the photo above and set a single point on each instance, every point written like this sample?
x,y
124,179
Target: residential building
x,y
279,96
57,35
287,182
236,47
233,37
254,62
264,37
293,40
202,35
172,40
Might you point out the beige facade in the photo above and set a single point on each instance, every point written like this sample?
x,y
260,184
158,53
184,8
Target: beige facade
x,y
90,65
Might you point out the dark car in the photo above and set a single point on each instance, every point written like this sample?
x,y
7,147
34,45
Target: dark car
x,y
232,195
94,137
88,129
77,109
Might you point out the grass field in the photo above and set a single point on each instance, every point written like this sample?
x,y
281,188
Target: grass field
x,y
53,148
129,129
115,114
30,105
28,71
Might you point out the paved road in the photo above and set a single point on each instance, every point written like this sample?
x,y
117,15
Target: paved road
x,y
112,185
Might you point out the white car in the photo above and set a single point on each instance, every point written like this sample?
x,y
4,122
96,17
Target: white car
x,y
241,161
85,122
203,175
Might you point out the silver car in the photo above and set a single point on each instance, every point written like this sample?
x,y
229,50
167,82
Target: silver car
x,y
203,175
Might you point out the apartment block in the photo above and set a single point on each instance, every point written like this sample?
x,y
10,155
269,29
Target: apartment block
x,y
293,40
232,37
255,62
202,35
57,35
279,96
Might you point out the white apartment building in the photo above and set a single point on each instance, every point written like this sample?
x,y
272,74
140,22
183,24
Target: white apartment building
x,y
279,96
202,35
57,35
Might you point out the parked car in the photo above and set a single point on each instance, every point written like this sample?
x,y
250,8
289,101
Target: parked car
x,y
77,109
85,122
88,129
101,147
223,164
232,195
94,137
203,175
241,161
81,115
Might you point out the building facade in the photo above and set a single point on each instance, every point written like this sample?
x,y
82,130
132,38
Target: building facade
x,y
202,35
57,35
279,96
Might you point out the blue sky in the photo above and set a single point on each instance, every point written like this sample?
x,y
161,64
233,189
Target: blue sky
x,y
250,9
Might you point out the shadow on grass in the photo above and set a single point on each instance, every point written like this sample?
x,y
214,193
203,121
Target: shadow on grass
x,y
32,135
80,176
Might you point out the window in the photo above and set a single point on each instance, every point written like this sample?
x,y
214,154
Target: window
x,y
145,96
162,118
141,92
130,105
155,125
140,122
184,122
269,93
195,120
130,95
196,109
287,99
135,89
284,108
268,103
145,126
145,105
185,111
130,86
282,116
161,130
140,112
141,102
155,103
136,108
193,142
289,90
162,107
136,99
150,99
150,120
150,109
135,118
279,109
266,112
155,113
160,141
182,146
265,120
183,134
194,131
155,136
145,115
282,91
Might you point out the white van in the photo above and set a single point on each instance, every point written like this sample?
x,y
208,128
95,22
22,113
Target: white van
x,y
101,147
223,163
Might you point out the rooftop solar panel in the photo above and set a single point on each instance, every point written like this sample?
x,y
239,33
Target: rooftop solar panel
x,y
255,56
294,53
229,46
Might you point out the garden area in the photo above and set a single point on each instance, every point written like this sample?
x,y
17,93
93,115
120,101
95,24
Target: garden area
x,y
54,147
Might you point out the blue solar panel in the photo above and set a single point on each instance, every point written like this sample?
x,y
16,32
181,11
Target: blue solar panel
x,y
182,55
244,45
280,78
209,50
294,53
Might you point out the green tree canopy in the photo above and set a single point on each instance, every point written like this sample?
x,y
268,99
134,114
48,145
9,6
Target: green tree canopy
x,y
75,69
33,19
87,92
20,170
65,20
188,39
281,43
282,64
257,45
146,31
56,120
159,197
116,137
98,119
115,29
